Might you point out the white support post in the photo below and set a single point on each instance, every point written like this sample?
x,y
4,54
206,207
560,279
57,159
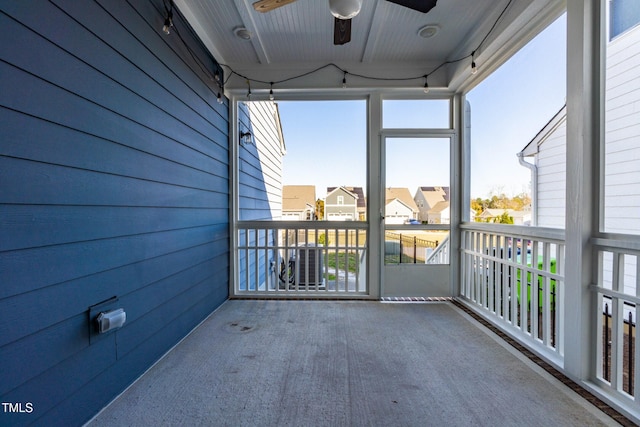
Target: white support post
x,y
460,187
233,196
375,262
585,83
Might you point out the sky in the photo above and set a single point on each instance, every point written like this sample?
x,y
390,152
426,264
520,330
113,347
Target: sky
x,y
326,140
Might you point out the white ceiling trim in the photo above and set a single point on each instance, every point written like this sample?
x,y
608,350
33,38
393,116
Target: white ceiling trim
x,y
193,20
379,16
246,11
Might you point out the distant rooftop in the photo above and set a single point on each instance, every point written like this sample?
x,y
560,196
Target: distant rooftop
x,y
297,197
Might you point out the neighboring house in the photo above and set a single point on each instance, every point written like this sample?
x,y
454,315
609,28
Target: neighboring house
x,y
622,150
344,204
261,161
427,197
399,206
488,215
299,202
439,214
548,172
521,217
492,215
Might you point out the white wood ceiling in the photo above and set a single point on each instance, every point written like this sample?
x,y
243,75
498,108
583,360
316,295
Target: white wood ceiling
x,y
298,37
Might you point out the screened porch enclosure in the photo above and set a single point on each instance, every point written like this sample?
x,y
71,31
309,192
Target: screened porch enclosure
x,y
533,283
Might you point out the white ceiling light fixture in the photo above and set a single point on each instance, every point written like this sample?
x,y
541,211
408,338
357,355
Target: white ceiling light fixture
x,y
428,31
242,33
345,9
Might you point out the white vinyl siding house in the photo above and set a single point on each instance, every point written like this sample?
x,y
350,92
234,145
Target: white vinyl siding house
x,y
260,162
622,153
440,214
399,206
622,148
397,212
548,149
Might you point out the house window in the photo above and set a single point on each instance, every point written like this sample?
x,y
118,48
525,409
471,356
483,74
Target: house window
x,y
622,130
623,15
341,200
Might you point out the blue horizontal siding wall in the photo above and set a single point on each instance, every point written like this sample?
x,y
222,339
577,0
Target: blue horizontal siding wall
x,y
114,182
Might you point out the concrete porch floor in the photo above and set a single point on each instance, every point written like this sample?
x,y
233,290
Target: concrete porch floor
x,y
314,363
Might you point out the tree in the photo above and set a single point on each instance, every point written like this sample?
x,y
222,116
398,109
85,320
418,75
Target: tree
x,y
500,201
320,209
504,218
323,240
478,205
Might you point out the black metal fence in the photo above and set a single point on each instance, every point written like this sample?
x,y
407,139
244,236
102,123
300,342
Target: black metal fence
x,y
628,347
406,249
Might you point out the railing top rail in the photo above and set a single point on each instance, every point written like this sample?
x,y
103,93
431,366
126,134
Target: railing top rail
x,y
618,242
303,225
441,249
554,234
414,227
627,298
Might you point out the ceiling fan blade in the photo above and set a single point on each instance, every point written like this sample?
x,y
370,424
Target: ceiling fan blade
x,y
341,31
423,6
268,5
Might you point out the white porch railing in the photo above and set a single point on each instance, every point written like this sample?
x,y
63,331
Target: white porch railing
x,y
513,276
618,291
440,255
301,258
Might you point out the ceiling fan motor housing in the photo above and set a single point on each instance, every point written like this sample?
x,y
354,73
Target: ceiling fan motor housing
x,y
345,9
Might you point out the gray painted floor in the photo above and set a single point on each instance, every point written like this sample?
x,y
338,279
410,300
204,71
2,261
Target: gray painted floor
x,y
313,363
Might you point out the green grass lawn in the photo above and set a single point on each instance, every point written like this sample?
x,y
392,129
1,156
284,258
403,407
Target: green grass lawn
x,y
349,260
552,284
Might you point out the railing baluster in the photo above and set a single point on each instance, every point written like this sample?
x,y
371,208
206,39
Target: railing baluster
x,y
617,322
515,309
559,300
534,304
630,355
256,261
357,255
524,288
605,374
493,272
546,291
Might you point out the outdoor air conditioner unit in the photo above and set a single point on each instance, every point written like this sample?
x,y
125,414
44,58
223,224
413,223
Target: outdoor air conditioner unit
x,y
310,266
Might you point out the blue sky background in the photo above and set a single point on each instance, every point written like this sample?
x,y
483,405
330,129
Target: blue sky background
x,y
326,140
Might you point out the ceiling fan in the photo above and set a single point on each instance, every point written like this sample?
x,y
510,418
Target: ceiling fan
x,y
344,11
